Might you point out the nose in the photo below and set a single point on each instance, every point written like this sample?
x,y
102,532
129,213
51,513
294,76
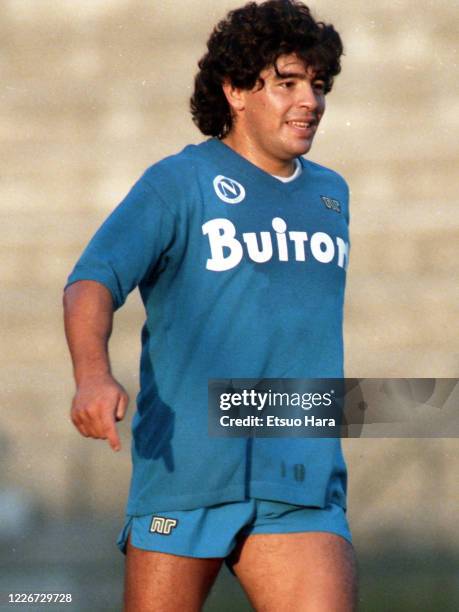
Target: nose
x,y
308,97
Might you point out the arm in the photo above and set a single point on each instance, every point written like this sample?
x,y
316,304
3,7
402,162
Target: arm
x,y
99,400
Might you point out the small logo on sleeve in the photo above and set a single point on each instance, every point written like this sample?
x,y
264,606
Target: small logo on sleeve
x,y
228,190
162,525
331,204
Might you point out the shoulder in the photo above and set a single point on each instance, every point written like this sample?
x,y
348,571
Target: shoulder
x,y
166,181
327,174
335,187
173,179
181,165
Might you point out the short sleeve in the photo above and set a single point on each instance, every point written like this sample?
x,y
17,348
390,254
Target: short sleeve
x,y
129,244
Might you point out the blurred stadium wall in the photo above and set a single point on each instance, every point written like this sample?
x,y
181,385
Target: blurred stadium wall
x,y
94,91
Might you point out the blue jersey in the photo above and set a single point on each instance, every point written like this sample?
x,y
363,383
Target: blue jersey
x,y
242,276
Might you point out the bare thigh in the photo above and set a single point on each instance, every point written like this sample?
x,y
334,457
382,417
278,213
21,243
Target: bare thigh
x,y
159,582
298,572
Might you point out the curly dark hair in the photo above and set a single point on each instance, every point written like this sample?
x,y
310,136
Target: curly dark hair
x,y
249,40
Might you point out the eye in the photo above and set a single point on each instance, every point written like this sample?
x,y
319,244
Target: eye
x,y
319,85
287,84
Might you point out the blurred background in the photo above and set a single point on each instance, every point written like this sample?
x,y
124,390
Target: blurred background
x,y
93,92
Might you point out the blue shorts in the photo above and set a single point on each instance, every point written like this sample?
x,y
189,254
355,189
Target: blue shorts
x,y
214,531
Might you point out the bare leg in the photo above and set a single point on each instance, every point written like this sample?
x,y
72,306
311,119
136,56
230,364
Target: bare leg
x,y
159,582
298,572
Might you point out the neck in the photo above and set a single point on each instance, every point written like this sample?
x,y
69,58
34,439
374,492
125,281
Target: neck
x,y
246,148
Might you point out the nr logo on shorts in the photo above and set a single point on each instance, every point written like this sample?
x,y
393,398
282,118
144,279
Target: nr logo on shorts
x,y
162,525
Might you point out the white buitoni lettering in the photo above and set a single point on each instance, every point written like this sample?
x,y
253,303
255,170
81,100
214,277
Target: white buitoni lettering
x,y
280,227
221,234
317,240
343,252
299,238
227,251
250,238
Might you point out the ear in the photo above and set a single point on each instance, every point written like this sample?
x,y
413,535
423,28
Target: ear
x,y
234,95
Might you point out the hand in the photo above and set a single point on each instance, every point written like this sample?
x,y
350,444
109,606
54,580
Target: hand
x,y
99,402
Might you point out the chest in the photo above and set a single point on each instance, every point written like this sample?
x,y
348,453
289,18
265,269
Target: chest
x,y
259,224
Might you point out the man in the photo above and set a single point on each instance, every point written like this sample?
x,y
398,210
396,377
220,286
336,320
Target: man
x,y
241,266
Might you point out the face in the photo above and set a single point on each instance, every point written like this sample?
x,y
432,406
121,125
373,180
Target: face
x,y
278,118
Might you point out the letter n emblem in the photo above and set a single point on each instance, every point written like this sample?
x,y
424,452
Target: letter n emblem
x,y
162,525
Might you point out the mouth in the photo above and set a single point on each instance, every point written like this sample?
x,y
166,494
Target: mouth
x,y
303,128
